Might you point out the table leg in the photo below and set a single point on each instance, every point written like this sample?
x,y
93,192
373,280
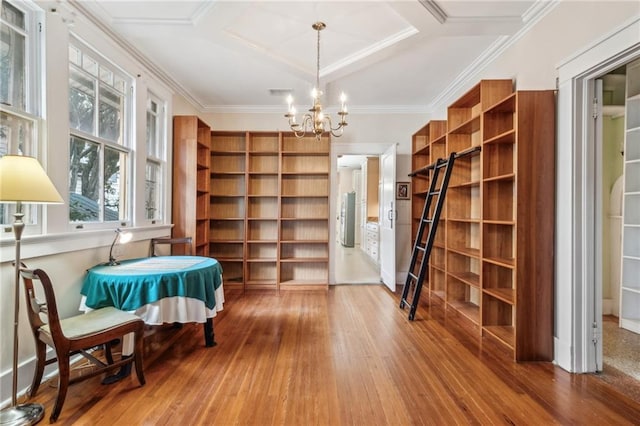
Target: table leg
x,y
209,336
127,352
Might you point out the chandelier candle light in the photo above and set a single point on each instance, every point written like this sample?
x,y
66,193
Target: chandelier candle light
x,y
315,120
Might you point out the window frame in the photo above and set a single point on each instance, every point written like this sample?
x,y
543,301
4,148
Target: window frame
x,y
34,105
161,160
125,146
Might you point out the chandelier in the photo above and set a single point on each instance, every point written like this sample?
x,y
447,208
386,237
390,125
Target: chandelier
x,y
315,121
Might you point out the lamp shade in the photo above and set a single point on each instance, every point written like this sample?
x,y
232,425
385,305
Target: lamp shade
x,y
22,179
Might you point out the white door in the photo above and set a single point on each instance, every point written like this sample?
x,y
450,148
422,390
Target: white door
x,y
388,213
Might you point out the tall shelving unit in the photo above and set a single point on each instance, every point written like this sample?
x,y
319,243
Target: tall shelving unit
x,y
228,201
261,268
191,163
464,197
497,274
304,214
269,210
630,287
518,178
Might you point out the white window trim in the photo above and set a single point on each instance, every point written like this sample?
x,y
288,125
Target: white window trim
x,y
162,161
127,145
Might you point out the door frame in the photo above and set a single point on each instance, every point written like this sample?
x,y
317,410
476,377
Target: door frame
x,y
388,215
337,149
577,323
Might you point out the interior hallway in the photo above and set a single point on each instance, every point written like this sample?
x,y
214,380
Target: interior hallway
x,y
353,266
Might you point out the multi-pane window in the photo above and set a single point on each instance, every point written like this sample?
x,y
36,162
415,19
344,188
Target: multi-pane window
x,y
13,65
19,105
156,145
99,157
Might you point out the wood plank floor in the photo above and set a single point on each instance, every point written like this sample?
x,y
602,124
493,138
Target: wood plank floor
x,y
343,357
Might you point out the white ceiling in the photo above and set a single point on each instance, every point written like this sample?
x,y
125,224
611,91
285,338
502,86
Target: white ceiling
x,y
397,55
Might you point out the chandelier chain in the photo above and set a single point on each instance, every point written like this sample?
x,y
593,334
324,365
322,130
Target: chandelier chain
x,y
318,61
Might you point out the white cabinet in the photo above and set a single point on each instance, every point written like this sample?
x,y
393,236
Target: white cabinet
x,y
630,288
372,240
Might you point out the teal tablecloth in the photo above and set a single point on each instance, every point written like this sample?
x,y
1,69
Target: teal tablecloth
x,y
137,282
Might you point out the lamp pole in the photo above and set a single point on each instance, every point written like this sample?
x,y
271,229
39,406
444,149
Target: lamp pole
x,y
25,414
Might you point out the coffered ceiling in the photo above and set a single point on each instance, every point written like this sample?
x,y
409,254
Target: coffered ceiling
x,y
395,56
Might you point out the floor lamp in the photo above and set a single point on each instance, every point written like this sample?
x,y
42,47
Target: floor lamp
x,y
22,180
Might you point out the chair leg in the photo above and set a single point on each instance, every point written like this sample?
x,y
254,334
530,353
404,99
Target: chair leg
x,y
138,355
107,353
41,358
63,385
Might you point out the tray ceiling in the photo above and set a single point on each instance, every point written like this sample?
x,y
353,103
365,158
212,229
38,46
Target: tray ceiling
x,y
242,55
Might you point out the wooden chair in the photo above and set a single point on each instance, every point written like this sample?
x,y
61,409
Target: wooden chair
x,y
184,241
76,335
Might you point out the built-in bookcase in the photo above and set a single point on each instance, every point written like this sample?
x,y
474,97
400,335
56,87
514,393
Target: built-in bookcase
x,y
428,145
493,266
228,205
304,211
464,198
191,166
269,204
262,218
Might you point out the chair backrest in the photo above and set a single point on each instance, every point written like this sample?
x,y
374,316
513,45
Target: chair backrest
x,y
184,245
36,308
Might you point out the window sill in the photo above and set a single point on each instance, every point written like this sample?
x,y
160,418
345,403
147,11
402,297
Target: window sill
x,y
51,244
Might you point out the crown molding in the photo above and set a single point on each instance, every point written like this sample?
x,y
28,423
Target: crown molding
x,y
158,71
281,109
530,17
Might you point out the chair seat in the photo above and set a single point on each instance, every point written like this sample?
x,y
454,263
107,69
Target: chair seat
x,y
93,322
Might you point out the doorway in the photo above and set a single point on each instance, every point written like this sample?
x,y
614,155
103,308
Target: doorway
x,y
342,263
602,126
357,207
616,354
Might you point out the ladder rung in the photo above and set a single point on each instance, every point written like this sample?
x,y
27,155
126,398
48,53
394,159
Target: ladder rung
x,y
445,163
427,220
421,248
435,192
406,302
415,277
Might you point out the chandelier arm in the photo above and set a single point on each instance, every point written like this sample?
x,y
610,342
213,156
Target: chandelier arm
x,y
335,132
340,125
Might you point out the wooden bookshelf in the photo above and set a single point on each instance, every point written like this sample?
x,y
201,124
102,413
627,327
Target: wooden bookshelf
x,y
517,212
190,195
261,266
304,213
429,144
269,210
464,199
497,267
228,205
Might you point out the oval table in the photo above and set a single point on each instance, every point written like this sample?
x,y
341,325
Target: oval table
x,y
162,289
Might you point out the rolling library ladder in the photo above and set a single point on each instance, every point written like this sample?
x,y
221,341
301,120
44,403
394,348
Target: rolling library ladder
x,y
429,223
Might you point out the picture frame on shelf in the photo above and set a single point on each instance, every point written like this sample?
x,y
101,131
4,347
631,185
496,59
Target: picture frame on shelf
x,y
403,190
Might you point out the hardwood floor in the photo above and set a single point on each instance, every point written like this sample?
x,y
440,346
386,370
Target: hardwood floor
x,y
343,357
